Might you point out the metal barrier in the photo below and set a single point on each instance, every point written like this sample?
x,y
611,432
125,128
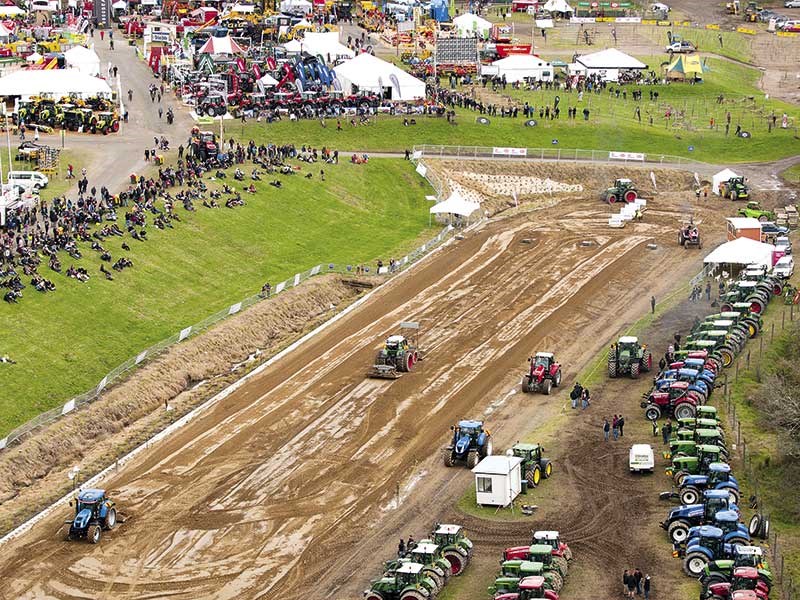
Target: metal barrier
x,y
152,351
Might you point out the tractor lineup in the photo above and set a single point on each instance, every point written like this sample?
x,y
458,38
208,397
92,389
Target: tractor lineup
x,y
536,570
97,114
422,569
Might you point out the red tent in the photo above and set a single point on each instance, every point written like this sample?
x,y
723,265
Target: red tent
x,y
221,45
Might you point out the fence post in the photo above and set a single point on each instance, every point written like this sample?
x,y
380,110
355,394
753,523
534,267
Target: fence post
x,y
772,333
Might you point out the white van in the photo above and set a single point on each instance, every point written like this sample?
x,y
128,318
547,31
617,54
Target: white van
x,y
641,458
30,180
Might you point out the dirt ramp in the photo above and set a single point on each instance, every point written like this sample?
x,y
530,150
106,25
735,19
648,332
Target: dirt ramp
x,y
32,473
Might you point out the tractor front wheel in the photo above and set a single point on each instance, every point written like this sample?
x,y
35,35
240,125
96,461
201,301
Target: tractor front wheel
x,y
694,564
561,564
94,534
690,495
684,411
547,385
635,370
677,476
409,362
678,531
630,196
611,198
653,413
612,368
111,518
647,361
533,475
472,459
448,458
486,449
413,595
548,470
525,385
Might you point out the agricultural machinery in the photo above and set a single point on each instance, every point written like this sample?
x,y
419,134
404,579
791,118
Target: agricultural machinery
x,y
204,144
94,512
721,571
756,294
514,570
470,443
529,589
622,190
675,400
554,540
706,547
398,355
734,188
745,583
753,209
628,357
719,477
742,318
435,566
105,122
455,547
693,465
407,583
689,235
700,382
683,518
554,568
534,465
736,334
733,532
690,448
544,374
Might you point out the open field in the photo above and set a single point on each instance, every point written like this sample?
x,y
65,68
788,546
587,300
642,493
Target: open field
x,y
237,513
208,261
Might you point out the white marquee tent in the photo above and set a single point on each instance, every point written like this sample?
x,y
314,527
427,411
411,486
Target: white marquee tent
x,y
517,67
368,73
721,177
325,43
455,205
266,81
559,6
741,251
468,22
608,63
83,59
58,82
293,46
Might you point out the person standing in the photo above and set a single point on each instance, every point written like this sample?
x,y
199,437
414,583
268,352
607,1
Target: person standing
x,y
637,579
708,291
576,394
654,422
615,428
606,429
625,578
401,549
585,399
647,587
621,425
652,305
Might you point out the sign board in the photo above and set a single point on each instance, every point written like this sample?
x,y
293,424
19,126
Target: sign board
x,y
583,20
746,30
509,151
544,23
491,70
101,11
160,37
422,169
628,20
409,325
626,156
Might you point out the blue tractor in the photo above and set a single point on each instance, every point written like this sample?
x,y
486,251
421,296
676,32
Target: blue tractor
x,y
733,531
718,478
682,518
470,443
701,382
93,513
706,547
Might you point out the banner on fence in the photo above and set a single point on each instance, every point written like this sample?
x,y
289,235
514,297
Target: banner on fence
x,y
184,333
68,407
628,20
582,20
235,308
626,156
712,26
509,151
746,30
421,169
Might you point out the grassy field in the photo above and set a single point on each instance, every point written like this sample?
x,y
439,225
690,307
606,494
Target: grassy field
x,y
792,174
66,341
612,124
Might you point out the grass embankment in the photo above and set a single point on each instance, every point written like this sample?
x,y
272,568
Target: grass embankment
x,y
64,342
792,174
612,123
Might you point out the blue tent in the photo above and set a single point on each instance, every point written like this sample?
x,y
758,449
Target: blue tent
x,y
439,10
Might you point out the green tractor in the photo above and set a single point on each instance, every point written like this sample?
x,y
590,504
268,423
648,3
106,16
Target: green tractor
x,y
697,464
429,555
735,188
454,546
107,122
408,582
534,465
398,355
622,190
753,209
543,553
689,440
49,113
512,571
628,357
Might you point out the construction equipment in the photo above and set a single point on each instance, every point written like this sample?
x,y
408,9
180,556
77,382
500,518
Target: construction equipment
x,y
455,546
689,235
470,443
753,209
544,374
534,465
734,188
399,354
628,357
622,190
93,513
407,583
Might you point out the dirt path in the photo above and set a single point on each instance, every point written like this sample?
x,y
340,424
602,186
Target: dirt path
x,y
269,490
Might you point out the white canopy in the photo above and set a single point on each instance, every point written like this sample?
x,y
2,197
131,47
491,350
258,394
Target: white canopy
x,y
83,59
469,22
325,44
58,82
33,58
243,8
120,5
560,6
221,45
293,46
266,81
11,10
720,177
742,251
517,67
456,205
368,73
295,6
610,58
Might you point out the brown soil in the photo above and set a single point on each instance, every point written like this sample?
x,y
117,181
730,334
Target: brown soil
x,y
291,483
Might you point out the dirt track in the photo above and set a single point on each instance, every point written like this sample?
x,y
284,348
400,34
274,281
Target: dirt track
x,y
294,478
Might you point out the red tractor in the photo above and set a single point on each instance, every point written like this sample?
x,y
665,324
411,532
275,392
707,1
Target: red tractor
x,y
675,401
545,374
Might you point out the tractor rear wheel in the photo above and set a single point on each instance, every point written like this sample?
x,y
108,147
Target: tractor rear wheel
x,y
647,361
472,459
437,579
111,518
557,379
94,534
374,596
690,495
414,595
558,580
447,457
457,561
630,196
678,531
694,564
533,475
547,472
409,362
738,541
677,476
727,355
635,370
561,564
684,411
547,385
652,413
612,368
611,198
526,388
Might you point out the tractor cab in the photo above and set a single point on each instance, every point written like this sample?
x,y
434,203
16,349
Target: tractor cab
x,y
727,520
411,575
682,447
447,535
543,359
709,437
90,500
696,464
707,412
748,556
719,473
542,553
716,501
427,553
628,345
528,452
710,537
531,588
547,537
394,344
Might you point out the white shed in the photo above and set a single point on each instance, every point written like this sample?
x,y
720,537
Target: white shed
x,y
497,480
721,177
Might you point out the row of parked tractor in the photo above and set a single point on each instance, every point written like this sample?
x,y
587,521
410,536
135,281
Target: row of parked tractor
x,y
537,570
422,569
95,115
706,529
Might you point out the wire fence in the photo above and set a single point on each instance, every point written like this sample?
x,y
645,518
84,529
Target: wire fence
x,y
156,349
751,360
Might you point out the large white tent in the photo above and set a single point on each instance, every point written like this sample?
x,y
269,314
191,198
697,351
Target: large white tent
x,y
57,82
741,251
83,59
721,177
557,6
455,205
468,23
326,44
368,73
11,11
517,67
608,63
266,81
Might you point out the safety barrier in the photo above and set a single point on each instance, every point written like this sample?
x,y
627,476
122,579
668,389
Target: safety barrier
x,y
152,351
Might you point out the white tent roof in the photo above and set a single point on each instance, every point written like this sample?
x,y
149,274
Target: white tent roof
x,y
295,5
742,251
266,81
120,4
557,6
470,22
325,43
83,59
456,205
243,8
718,178
610,59
497,464
33,58
59,82
371,74
293,46
221,45
11,10
517,67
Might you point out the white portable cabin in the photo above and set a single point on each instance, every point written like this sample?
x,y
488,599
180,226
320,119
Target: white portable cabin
x,y
498,480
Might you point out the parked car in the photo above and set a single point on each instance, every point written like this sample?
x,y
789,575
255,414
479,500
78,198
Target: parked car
x,y
784,268
791,4
783,244
769,228
682,47
30,180
641,458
